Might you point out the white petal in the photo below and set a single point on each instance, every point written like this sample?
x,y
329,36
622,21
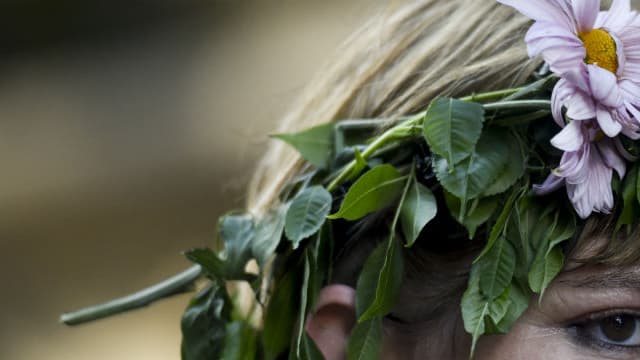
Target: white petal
x,y
580,107
604,86
570,138
541,10
607,123
617,14
611,157
585,12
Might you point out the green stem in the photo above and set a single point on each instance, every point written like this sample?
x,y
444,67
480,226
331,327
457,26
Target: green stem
x,y
390,135
519,104
491,95
173,285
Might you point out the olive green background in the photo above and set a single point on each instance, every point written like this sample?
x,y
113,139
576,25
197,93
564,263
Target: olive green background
x,y
126,129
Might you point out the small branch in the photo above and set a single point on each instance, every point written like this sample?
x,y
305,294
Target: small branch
x,y
519,104
171,286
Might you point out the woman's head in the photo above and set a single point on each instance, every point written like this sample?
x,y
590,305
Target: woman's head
x,y
395,66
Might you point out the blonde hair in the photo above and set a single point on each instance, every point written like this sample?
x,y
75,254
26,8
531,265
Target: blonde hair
x,y
395,65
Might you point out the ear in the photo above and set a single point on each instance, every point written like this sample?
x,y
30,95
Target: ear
x,y
331,323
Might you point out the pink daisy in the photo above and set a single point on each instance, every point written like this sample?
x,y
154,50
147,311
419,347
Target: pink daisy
x,y
597,57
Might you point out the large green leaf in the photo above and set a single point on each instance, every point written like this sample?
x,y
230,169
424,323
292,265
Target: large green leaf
x,y
476,173
365,341
314,144
237,232
512,169
452,128
374,190
281,316
544,269
268,234
380,280
204,324
419,207
306,214
497,268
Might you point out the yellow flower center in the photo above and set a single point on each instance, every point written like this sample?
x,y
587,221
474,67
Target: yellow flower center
x,y
601,49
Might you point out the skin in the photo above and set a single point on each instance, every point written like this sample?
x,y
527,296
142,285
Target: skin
x,y
547,330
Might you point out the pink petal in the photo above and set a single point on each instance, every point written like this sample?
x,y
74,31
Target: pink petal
x,y
570,138
608,125
561,92
541,10
619,10
585,12
580,107
604,86
611,157
550,184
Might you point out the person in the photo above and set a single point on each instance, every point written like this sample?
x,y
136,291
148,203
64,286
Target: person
x,y
499,223
392,67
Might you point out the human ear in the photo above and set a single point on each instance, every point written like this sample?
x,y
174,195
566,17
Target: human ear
x,y
331,323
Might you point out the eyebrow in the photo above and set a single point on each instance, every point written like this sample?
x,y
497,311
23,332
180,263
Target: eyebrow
x,y
623,279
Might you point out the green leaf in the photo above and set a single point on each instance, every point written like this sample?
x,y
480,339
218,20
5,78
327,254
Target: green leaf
x,y
203,324
303,303
210,262
240,341
630,197
374,190
478,214
496,268
281,316
314,144
513,168
498,307
268,234
500,225
419,207
365,341
306,214
544,269
518,303
476,173
237,232
452,128
474,310
380,280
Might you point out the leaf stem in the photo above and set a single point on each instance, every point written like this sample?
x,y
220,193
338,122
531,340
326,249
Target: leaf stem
x,y
171,286
399,131
491,95
519,104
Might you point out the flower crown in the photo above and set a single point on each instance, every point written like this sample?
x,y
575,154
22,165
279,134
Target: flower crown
x,y
494,157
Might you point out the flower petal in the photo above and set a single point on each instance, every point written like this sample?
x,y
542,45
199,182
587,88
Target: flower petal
x,y
541,10
550,184
585,12
604,86
580,107
607,123
610,156
570,138
619,11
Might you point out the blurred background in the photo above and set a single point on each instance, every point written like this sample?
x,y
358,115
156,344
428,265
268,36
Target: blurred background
x,y
126,129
